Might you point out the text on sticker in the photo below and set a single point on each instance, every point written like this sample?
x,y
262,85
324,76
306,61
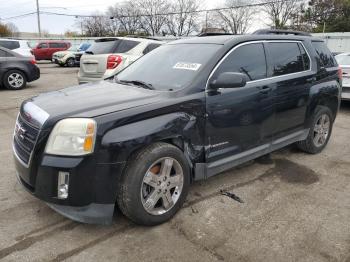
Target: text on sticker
x,y
187,66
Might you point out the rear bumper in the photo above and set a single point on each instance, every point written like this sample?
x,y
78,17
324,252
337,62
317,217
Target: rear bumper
x,y
33,74
84,80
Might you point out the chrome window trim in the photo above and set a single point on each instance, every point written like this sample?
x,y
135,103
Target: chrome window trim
x,y
261,42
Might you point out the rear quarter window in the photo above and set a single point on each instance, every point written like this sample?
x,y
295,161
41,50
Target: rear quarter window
x,y
150,47
324,56
9,44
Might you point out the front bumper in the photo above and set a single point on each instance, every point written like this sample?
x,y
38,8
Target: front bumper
x,y
92,186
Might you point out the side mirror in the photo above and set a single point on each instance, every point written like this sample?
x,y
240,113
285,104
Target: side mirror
x,y
229,80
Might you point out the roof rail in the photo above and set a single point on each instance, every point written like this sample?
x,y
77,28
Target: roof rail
x,y
213,34
280,32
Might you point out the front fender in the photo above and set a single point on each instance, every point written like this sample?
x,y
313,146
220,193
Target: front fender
x,y
179,127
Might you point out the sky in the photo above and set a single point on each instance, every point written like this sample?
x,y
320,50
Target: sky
x,y
60,24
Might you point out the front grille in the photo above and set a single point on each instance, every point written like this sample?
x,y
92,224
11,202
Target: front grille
x,y
24,139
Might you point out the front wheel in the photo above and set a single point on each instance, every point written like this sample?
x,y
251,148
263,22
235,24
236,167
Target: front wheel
x,y
154,185
320,131
70,62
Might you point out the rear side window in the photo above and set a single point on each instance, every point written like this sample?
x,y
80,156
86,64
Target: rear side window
x,y
9,44
110,47
248,59
57,45
325,56
150,47
3,53
124,46
286,58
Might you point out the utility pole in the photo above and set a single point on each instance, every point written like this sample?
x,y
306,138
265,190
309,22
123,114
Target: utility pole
x,y
38,16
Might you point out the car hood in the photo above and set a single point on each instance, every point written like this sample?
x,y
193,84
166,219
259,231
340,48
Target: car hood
x,y
89,100
63,52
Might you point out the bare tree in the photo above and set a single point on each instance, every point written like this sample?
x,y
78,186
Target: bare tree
x,y
185,21
96,25
154,18
125,17
13,29
280,12
238,17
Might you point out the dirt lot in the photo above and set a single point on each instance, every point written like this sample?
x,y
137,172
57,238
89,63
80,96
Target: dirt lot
x,y
296,209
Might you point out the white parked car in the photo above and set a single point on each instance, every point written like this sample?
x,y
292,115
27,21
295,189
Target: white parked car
x,y
344,63
21,47
107,56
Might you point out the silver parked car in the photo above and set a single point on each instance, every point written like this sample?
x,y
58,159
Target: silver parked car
x,y
107,56
344,62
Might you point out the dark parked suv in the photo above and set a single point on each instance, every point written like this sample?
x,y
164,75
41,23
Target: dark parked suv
x,y
184,112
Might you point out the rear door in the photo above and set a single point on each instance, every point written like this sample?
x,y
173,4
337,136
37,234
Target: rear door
x,y
94,62
3,55
291,79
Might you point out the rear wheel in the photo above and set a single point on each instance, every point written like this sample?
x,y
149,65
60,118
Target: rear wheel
x,y
320,131
154,185
14,80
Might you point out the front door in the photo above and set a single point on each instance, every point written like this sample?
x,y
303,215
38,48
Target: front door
x,y
240,121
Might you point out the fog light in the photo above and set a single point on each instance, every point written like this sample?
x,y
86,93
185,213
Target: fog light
x,y
62,185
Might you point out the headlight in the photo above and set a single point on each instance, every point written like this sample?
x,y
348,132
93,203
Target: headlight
x,y
72,137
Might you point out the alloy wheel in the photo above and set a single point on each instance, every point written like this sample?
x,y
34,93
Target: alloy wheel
x,y
162,186
15,80
321,130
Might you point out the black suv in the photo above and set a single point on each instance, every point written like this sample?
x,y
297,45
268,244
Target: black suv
x,y
184,112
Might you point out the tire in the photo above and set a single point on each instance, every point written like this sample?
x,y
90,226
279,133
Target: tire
x,y
70,62
14,80
309,145
148,205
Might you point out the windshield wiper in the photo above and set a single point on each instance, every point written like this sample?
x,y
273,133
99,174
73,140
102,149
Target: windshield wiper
x,y
137,83
89,52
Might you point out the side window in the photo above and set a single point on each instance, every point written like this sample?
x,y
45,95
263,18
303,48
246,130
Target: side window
x,y
306,58
62,45
3,53
9,44
325,57
286,58
248,59
54,45
124,46
43,45
150,47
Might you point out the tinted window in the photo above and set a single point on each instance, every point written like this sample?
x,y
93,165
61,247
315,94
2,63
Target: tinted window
x,y
9,44
3,53
170,67
109,47
324,55
124,46
150,47
286,58
57,45
43,45
247,59
306,58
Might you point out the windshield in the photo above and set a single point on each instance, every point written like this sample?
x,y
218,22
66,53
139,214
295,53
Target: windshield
x,y
170,67
343,59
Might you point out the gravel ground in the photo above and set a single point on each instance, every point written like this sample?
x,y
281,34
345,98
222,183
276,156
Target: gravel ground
x,y
296,208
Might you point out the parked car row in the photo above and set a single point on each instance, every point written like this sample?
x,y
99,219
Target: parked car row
x,y
68,57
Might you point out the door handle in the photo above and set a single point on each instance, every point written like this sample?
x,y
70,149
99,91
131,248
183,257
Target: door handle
x,y
311,79
265,90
